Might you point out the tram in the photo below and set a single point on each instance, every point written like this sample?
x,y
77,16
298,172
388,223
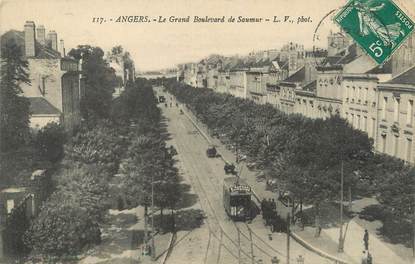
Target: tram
x,y
237,198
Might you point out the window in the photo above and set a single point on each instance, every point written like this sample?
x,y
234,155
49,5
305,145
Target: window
x,y
354,93
365,95
384,143
409,112
409,150
396,110
396,146
358,122
364,125
373,127
385,103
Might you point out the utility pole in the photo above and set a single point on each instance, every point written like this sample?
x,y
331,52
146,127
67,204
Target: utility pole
x,y
413,242
153,248
341,240
239,247
145,250
252,246
288,238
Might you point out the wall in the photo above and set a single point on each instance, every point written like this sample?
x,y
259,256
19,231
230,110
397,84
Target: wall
x,y
223,82
404,57
71,100
257,86
238,84
287,97
329,85
45,74
396,121
359,102
305,104
39,121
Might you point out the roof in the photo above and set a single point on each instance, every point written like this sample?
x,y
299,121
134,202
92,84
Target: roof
x,y
331,60
382,69
407,77
343,57
350,55
298,76
42,52
311,86
231,181
40,106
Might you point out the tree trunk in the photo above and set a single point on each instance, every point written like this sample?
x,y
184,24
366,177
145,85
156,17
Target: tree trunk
x,y
293,212
301,205
301,214
173,221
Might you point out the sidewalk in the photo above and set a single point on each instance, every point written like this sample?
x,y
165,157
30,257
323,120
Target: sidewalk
x,y
122,239
382,252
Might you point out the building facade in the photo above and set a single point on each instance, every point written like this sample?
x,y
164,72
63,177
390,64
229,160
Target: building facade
x,y
395,113
54,79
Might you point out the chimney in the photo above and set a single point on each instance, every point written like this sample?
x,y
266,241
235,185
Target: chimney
x,y
53,37
62,48
29,39
41,35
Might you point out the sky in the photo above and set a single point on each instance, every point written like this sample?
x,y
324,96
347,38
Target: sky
x,y
155,46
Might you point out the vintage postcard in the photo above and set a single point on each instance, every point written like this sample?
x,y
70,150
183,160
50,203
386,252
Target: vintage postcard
x,y
207,132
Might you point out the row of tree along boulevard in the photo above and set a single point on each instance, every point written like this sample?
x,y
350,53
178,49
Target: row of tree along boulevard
x,y
122,137
311,160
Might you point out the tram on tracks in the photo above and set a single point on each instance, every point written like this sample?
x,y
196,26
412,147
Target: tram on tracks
x,y
237,198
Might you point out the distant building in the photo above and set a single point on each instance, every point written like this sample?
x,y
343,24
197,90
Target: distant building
x,y
336,42
124,70
294,53
404,56
305,100
395,112
56,84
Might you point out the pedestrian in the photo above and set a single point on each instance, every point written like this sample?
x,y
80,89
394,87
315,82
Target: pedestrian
x,y
274,204
268,211
265,212
369,258
366,240
263,206
364,258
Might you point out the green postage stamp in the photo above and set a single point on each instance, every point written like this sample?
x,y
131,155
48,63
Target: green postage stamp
x,y
378,26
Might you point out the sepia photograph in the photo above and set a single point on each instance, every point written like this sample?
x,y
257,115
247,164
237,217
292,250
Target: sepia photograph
x,y
207,132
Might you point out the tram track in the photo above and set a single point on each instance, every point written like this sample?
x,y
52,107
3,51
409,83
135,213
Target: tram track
x,y
245,240
210,211
220,229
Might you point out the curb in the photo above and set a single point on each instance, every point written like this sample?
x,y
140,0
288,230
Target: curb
x,y
316,250
298,239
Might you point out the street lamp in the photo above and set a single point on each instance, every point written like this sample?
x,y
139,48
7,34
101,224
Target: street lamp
x,y
341,237
153,247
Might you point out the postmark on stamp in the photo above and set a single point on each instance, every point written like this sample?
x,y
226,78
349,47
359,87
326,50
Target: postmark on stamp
x,y
378,26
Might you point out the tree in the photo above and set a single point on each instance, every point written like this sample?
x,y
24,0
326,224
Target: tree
x,y
50,141
117,50
100,82
16,225
14,108
101,145
62,229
